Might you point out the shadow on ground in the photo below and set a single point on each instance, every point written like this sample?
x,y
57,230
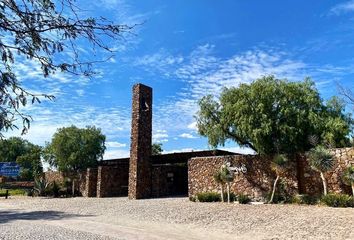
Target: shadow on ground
x,y
14,215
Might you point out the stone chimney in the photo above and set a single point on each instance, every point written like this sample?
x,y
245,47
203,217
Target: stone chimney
x,y
140,147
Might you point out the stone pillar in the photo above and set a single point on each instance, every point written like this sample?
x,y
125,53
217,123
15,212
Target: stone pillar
x,y
91,182
140,148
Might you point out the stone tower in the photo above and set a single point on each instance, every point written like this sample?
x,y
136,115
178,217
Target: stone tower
x,y
140,148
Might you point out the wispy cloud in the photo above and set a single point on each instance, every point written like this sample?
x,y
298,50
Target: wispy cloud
x,y
115,144
344,7
187,135
203,73
160,136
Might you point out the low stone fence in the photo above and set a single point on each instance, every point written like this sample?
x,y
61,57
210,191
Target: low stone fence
x,y
258,178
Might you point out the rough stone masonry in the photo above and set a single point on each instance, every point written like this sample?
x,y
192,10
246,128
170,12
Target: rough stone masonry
x,y
140,148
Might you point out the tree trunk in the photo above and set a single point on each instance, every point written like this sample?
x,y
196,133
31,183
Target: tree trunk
x,y
274,186
73,188
222,192
228,192
353,188
324,184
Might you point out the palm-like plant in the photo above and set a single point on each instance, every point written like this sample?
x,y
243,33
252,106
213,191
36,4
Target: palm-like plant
x,y
227,176
219,180
279,165
348,177
321,160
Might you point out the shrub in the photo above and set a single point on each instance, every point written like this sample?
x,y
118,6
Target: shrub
x,y
208,197
55,188
233,196
192,198
243,199
12,192
281,194
338,200
305,199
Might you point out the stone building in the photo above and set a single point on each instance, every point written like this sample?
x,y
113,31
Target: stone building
x,y
187,173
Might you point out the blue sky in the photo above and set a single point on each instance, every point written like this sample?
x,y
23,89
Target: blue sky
x,y
187,49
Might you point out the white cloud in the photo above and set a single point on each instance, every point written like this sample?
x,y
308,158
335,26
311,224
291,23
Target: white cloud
x,y
115,145
160,136
186,135
115,153
192,126
343,8
204,73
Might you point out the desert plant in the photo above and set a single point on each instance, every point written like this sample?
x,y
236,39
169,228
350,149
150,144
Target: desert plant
x,y
233,196
219,180
348,177
208,197
279,166
227,176
41,186
305,199
321,160
243,199
338,200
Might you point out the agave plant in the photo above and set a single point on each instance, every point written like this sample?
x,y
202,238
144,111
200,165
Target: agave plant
x,y
321,160
40,186
279,165
348,177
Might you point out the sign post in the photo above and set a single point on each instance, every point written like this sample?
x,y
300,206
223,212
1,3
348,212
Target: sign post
x,y
9,169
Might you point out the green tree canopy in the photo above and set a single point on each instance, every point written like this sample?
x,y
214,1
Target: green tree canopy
x,y
73,149
26,154
156,148
273,116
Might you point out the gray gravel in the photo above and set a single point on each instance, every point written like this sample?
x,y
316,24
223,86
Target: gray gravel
x,y
119,218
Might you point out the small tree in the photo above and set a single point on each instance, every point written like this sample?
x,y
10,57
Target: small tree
x,y
219,180
156,149
348,177
279,166
74,149
321,160
227,176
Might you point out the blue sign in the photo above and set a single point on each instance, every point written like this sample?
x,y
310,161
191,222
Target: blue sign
x,y
9,169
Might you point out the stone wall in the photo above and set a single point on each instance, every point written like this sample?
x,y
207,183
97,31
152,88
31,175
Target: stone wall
x,y
344,158
112,181
257,181
52,176
59,177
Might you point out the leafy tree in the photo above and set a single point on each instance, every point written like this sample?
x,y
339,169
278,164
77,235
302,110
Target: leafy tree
x,y
279,165
26,154
156,148
45,31
322,161
73,149
31,165
348,177
273,116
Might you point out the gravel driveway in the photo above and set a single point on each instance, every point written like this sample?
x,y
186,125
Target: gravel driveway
x,y
167,218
